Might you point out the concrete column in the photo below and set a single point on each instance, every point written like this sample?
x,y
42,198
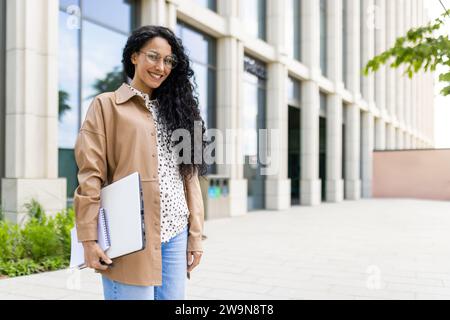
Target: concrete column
x,y
390,137
230,56
366,153
381,75
153,12
414,86
278,186
407,139
171,15
380,132
353,49
2,88
391,83
334,42
352,153
310,185
310,25
400,80
408,82
32,109
380,47
334,182
368,48
399,139
352,133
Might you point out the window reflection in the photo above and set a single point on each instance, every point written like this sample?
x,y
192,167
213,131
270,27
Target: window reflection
x,y
210,4
253,115
89,63
63,4
68,71
293,29
101,66
293,91
253,16
117,16
201,50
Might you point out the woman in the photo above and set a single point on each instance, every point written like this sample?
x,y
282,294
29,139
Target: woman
x,y
130,130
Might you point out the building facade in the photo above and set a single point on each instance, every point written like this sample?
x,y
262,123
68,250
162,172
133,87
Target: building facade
x,y
290,65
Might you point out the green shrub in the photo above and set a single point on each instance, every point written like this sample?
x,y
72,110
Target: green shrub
x,y
10,241
64,222
40,239
35,210
42,244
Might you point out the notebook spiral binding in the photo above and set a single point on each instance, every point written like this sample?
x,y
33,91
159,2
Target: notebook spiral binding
x,y
105,227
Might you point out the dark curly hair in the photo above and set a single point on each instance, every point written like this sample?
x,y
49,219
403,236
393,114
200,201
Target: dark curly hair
x,y
176,95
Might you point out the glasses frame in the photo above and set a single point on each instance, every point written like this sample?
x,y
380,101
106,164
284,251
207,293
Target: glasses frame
x,y
151,61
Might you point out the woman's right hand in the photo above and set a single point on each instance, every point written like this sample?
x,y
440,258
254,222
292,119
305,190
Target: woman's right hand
x,y
93,254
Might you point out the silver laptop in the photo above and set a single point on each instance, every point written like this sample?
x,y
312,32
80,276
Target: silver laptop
x,y
123,204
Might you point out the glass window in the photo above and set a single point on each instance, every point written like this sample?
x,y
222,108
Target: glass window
x,y
115,14
69,83
63,4
323,36
201,50
253,15
90,54
323,104
293,29
293,92
210,4
101,67
253,119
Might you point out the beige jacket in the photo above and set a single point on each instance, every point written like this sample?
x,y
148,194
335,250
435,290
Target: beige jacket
x,y
117,138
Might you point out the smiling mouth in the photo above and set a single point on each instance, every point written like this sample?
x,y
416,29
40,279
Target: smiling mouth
x,y
155,76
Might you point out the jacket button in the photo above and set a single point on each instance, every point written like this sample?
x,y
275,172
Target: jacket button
x,y
154,176
153,134
153,155
156,202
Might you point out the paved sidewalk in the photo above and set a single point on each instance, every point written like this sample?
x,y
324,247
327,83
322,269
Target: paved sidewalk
x,y
368,249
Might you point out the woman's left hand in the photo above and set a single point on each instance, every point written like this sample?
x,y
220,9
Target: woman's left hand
x,y
193,259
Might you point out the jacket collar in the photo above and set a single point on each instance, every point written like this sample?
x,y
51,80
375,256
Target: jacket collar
x,y
123,94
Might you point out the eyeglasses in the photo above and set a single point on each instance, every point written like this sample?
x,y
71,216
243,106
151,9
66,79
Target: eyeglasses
x,y
154,57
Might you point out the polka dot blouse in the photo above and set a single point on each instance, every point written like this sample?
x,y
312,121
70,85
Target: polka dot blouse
x,y
174,210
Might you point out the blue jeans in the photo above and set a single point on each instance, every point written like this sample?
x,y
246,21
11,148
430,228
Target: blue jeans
x,y
174,267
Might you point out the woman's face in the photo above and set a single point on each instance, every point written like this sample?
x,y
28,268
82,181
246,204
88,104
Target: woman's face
x,y
150,66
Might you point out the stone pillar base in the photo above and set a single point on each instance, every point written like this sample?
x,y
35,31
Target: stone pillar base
x,y
367,189
310,192
335,190
278,194
238,197
50,193
352,189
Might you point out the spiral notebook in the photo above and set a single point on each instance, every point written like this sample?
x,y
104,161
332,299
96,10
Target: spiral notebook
x,y
104,241
121,227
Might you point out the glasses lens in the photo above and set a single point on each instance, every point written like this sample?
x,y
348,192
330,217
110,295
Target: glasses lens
x,y
170,62
152,56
